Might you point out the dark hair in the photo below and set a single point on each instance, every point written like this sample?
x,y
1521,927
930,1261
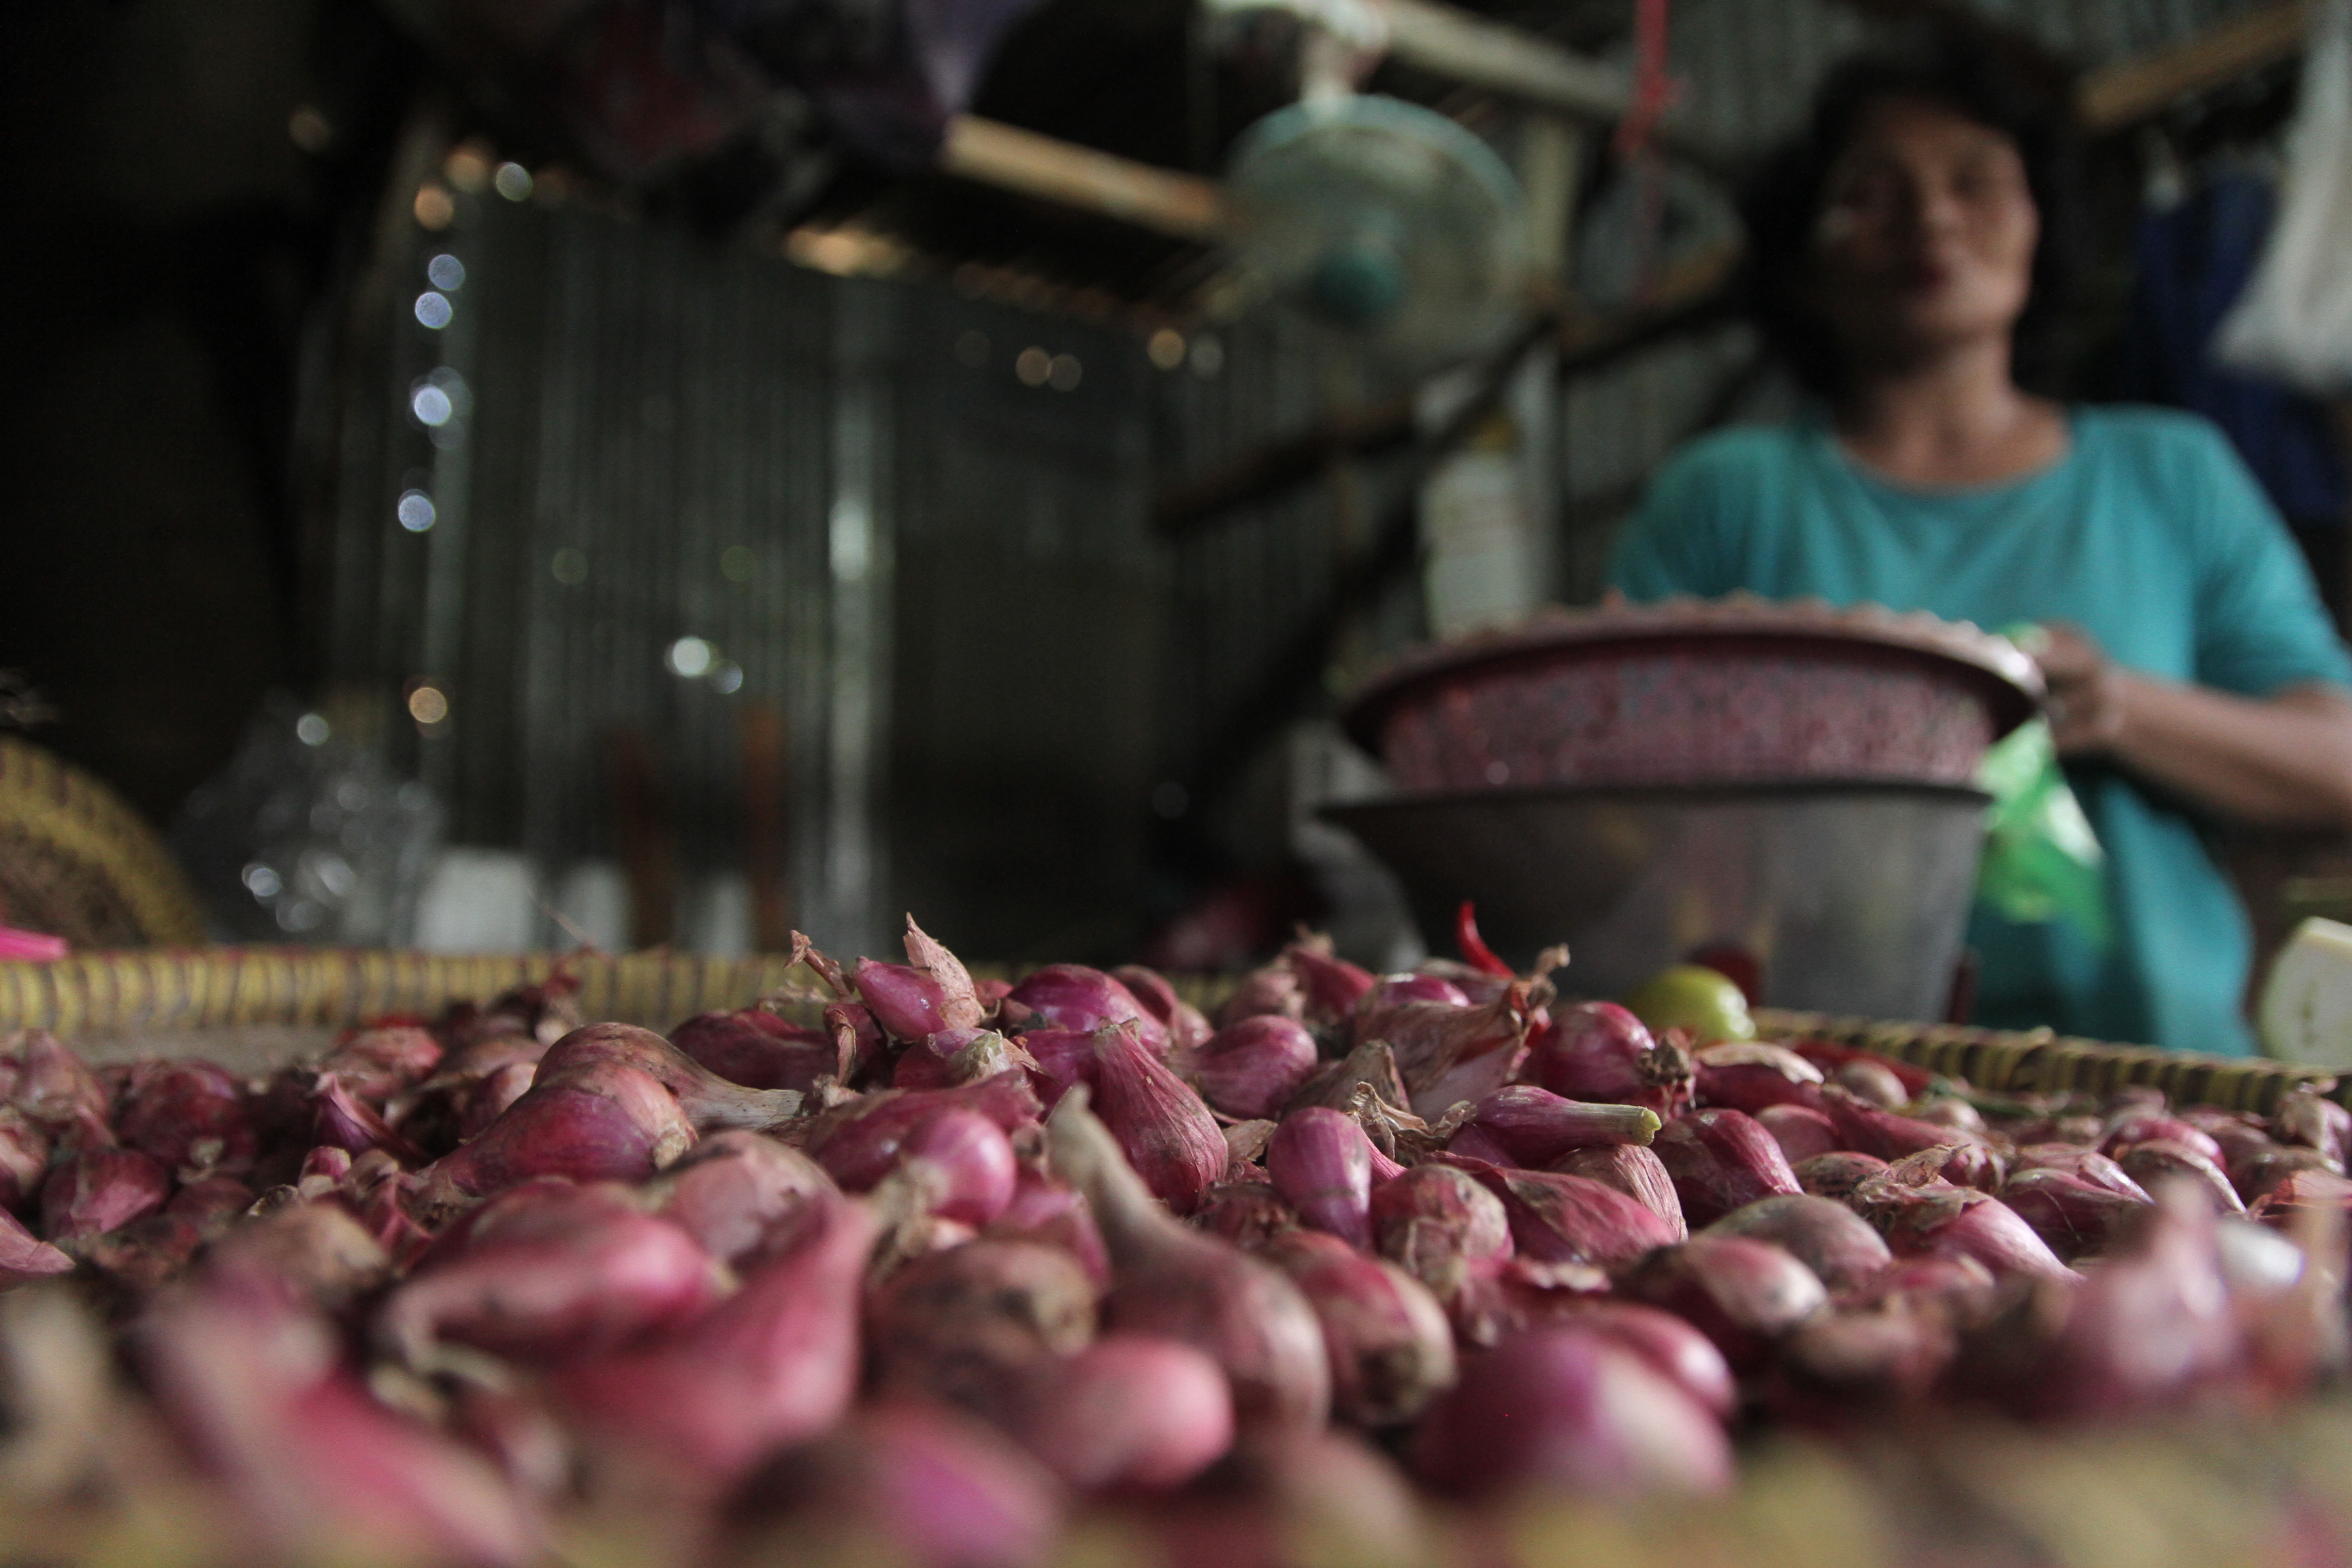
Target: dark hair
x,y
1781,204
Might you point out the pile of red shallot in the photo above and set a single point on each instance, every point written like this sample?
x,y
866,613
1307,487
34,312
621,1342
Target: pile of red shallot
x,y
940,1270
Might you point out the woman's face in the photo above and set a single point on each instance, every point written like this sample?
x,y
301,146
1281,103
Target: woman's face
x,y
1927,233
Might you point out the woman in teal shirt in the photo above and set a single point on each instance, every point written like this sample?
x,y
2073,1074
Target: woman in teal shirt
x,y
2193,673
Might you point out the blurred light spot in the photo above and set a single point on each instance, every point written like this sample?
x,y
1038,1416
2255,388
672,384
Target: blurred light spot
x,y
513,181
1034,366
467,167
1166,348
1498,771
1169,799
446,271
433,310
311,131
1208,356
262,881
691,657
334,874
428,705
432,208
826,250
300,915
431,405
728,677
312,728
416,510
569,566
1062,374
736,563
972,349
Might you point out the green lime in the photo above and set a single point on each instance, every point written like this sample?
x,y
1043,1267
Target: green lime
x,y
1691,997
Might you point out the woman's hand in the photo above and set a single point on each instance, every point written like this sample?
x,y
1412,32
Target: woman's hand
x,y
2283,760
2090,695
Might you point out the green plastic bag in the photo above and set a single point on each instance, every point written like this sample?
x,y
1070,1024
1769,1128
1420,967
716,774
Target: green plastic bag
x,y
2042,861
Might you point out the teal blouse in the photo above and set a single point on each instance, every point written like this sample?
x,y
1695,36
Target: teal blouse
x,y
2149,534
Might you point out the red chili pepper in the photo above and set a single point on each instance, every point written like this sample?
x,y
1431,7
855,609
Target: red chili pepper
x,y
1474,951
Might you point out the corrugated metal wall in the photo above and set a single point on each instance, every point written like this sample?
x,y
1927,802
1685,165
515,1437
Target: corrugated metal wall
x,y
940,574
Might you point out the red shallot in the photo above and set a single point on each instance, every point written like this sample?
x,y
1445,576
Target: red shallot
x,y
601,1122
1072,996
1836,1175
548,1272
1826,1236
1252,1067
774,1364
1391,1349
1130,1410
1321,1164
1558,1218
758,1049
2074,1217
251,1385
187,1114
1720,1161
1187,1029
1189,1285
1802,1131
708,1101
1568,1408
1538,1127
732,1191
962,1324
1168,1135
1598,1051
1634,1171
1741,1292
922,1485
1439,1224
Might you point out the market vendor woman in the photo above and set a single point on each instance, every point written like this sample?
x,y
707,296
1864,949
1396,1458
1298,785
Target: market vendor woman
x,y
1903,265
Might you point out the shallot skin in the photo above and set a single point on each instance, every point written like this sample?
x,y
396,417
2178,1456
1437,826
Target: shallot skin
x,y
99,1188
25,1257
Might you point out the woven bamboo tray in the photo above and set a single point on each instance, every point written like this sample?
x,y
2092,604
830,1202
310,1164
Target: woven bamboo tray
x,y
2039,1061
255,1006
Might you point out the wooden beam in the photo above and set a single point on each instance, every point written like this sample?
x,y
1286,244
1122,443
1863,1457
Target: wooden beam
x,y
1508,61
1685,294
1360,432
991,154
2129,91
